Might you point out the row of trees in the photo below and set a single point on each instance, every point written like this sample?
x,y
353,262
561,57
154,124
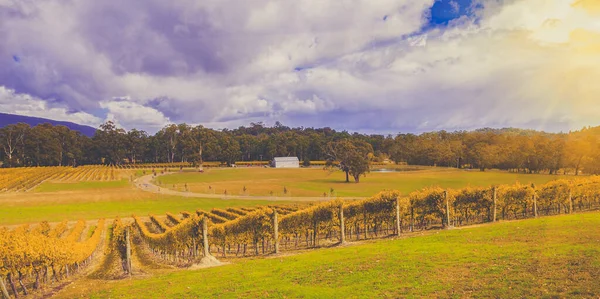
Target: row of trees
x,y
509,149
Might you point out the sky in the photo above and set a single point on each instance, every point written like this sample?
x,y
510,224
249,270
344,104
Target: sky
x,y
383,66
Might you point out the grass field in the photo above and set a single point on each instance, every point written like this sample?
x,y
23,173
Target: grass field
x,y
551,257
316,181
101,203
59,186
56,201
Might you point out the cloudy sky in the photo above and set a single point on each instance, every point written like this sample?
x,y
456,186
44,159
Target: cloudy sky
x,y
362,65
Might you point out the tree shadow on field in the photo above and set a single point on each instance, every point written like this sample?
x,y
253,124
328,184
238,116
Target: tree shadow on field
x,y
331,181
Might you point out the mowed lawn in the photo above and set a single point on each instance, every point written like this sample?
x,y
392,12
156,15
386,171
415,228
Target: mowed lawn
x,y
550,257
105,202
316,181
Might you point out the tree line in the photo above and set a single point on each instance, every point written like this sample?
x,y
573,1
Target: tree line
x,y
508,149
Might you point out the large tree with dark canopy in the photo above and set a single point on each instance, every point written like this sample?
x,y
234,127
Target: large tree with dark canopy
x,y
353,155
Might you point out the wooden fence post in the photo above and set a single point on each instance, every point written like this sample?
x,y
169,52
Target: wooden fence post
x,y
412,219
3,288
535,211
276,231
205,249
12,284
447,209
194,248
342,226
397,216
365,224
570,202
495,191
315,232
128,251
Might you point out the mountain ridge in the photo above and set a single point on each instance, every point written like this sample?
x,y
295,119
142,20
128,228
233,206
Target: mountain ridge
x,y
9,119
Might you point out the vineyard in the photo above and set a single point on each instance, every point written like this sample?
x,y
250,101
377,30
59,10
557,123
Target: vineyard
x,y
546,257
181,165
41,255
217,164
236,232
158,166
25,179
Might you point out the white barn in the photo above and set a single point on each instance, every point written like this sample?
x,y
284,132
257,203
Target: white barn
x,y
286,162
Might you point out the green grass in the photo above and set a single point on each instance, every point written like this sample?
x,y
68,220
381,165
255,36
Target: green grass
x,y
92,200
551,257
88,204
54,187
90,231
316,181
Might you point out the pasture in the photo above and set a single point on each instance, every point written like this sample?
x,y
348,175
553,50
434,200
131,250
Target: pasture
x,y
88,193
317,182
76,186
550,257
107,202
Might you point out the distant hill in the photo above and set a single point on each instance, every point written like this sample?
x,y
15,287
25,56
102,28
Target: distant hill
x,y
8,119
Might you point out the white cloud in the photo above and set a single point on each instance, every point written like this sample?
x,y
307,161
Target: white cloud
x,y
532,63
129,115
455,6
23,104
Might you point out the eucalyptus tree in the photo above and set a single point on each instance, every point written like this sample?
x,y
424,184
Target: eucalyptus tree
x,y
354,157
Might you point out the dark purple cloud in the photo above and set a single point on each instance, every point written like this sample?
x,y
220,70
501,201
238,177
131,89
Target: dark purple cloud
x,y
359,64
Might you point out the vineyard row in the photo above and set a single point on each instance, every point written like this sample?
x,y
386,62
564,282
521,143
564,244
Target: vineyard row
x,y
268,229
27,178
42,255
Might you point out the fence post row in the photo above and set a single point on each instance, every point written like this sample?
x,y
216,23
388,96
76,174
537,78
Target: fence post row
x,y
371,220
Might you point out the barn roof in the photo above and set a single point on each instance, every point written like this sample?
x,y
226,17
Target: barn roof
x,y
286,159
